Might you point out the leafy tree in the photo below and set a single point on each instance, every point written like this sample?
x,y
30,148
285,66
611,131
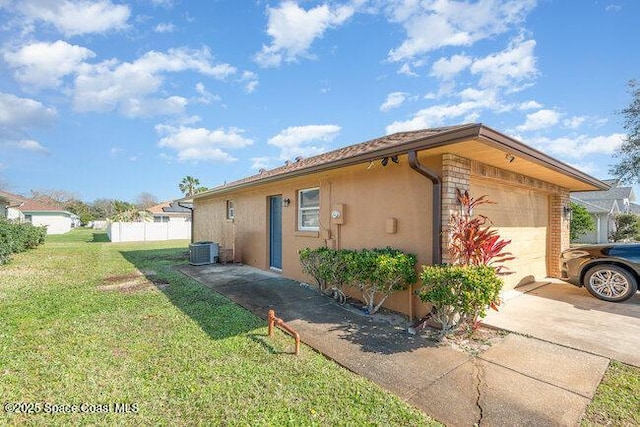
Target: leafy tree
x,y
145,200
81,209
628,154
581,221
54,196
103,208
190,186
626,227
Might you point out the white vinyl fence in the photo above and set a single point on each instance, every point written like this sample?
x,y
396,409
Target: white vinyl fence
x,y
148,231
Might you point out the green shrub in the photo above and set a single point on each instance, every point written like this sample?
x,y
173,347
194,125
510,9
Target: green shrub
x,y
460,293
18,237
376,272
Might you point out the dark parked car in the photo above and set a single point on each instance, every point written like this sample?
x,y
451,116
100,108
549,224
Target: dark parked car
x,y
610,272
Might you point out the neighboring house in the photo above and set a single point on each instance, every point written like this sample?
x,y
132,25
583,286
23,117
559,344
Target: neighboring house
x,y
604,206
398,190
603,214
169,212
13,202
55,218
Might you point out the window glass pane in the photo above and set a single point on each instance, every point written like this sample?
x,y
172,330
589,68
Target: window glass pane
x,y
310,198
310,218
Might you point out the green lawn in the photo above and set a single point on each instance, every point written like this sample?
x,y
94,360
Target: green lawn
x,y
79,327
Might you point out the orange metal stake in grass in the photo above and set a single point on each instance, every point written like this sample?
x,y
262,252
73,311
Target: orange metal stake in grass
x,y
273,320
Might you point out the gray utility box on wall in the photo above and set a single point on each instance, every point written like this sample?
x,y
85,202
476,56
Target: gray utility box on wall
x,y
202,253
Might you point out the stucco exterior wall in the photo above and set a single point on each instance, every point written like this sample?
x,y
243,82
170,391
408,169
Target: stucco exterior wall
x,y
370,194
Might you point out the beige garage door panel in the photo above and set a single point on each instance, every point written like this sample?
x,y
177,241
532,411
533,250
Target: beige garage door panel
x,y
521,216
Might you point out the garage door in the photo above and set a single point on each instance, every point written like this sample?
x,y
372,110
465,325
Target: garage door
x,y
522,216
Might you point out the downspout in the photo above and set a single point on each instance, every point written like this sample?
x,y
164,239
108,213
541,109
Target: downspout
x,y
436,220
193,214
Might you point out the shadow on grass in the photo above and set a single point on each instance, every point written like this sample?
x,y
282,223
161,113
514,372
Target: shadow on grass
x,y
216,315
221,298
100,238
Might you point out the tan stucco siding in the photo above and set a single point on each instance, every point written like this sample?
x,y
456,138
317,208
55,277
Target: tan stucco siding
x,y
371,197
522,216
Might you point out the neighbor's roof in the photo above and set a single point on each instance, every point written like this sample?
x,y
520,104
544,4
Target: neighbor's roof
x,y
31,205
402,142
13,199
596,206
613,193
168,207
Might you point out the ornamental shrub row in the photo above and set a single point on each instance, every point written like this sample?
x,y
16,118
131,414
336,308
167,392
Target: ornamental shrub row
x,y
18,237
375,272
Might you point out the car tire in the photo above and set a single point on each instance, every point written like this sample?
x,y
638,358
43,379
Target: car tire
x,y
610,283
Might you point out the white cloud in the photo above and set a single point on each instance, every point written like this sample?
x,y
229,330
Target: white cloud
x,y
128,87
511,66
574,122
31,145
165,27
407,70
431,25
541,119
20,113
579,146
200,144
529,105
42,64
261,162
205,97
296,140
435,116
394,100
294,30
250,80
17,116
613,8
77,17
446,69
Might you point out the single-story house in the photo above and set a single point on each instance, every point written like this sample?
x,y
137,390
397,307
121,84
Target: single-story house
x,y
603,206
398,190
56,219
170,212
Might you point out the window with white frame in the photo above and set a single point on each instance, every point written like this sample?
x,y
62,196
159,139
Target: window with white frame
x,y
309,209
231,209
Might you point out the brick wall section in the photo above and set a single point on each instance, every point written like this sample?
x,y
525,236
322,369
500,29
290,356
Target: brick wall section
x,y
456,172
558,231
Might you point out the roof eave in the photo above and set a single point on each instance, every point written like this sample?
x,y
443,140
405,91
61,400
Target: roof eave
x,y
437,140
519,149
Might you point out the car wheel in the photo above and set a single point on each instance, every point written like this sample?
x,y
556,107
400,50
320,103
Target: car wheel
x,y
610,283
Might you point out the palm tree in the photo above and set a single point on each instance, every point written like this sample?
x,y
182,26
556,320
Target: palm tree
x,y
189,185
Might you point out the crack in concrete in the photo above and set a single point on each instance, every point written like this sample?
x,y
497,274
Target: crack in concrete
x,y
479,380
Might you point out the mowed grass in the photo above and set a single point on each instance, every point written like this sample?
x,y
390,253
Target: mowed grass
x,y
617,400
178,353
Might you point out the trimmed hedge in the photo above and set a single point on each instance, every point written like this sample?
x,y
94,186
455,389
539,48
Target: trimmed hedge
x,y
376,272
18,237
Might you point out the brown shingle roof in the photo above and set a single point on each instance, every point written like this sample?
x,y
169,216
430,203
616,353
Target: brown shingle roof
x,y
351,151
31,205
13,199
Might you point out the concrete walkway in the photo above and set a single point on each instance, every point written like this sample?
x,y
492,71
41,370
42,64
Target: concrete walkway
x,y
564,314
518,381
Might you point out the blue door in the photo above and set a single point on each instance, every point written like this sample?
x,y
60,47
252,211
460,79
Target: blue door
x,y
275,232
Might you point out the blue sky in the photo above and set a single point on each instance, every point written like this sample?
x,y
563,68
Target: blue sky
x,y
108,98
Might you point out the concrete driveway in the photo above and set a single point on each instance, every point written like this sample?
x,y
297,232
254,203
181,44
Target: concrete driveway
x,y
563,314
